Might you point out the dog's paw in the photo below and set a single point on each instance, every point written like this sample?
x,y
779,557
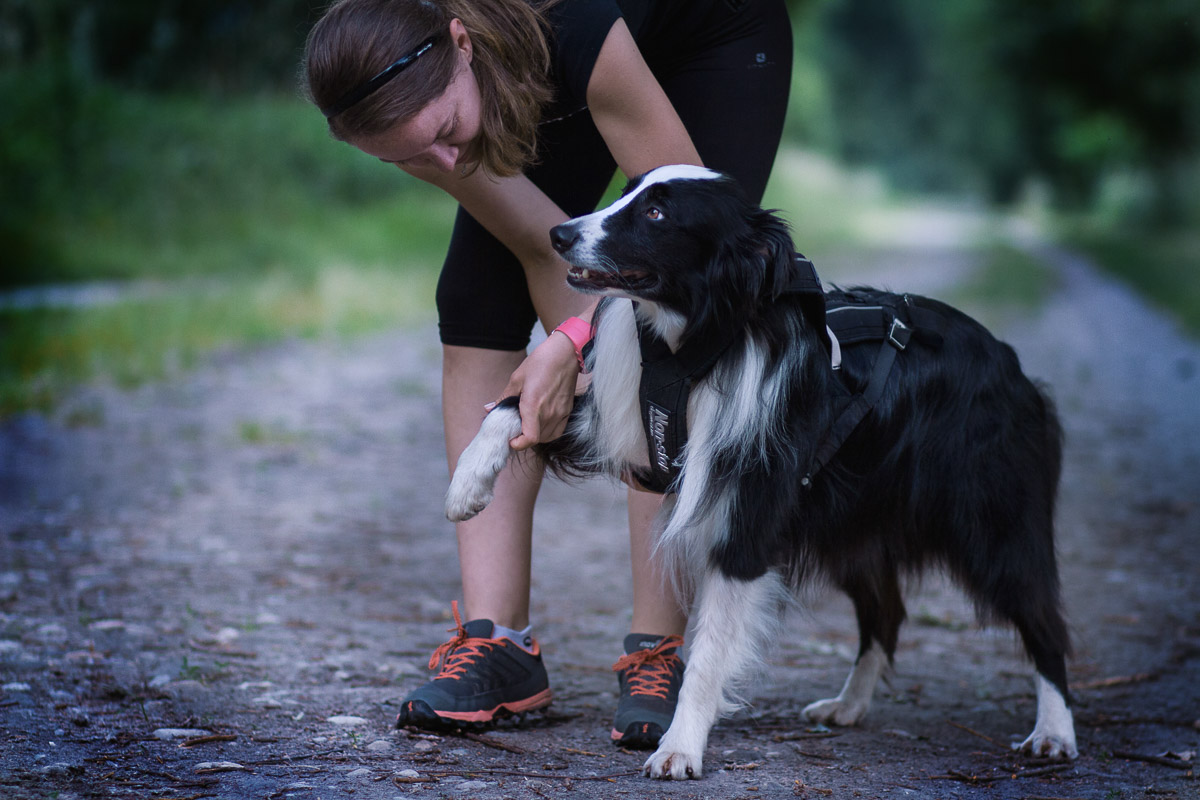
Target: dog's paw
x,y
1057,746
835,711
667,764
467,498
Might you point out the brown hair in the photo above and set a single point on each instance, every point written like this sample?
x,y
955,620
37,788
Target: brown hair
x,y
355,39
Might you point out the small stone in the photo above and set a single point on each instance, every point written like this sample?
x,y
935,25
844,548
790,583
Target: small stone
x,y
341,675
424,746
227,635
408,773
166,734
15,687
205,767
361,772
267,702
60,769
471,786
107,625
380,746
79,717
346,720
159,681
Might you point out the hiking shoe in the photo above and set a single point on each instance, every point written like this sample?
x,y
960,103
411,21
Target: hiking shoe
x,y
650,677
479,680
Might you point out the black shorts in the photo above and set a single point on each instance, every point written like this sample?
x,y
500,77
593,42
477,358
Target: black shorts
x,y
731,94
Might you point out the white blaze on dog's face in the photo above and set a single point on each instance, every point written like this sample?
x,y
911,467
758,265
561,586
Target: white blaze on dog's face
x,y
650,238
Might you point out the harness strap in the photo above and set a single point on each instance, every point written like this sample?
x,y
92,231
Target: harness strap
x,y
850,324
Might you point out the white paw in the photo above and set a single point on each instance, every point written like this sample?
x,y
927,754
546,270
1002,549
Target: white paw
x,y
467,496
835,711
1056,746
669,765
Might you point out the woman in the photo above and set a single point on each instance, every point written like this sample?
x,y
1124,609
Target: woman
x,y
522,112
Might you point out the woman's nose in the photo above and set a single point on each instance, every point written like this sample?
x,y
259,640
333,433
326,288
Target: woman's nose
x,y
443,156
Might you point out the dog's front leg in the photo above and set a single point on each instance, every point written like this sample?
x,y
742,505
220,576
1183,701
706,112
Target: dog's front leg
x,y
733,621
482,461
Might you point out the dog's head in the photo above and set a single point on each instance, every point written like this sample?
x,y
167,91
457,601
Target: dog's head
x,y
684,238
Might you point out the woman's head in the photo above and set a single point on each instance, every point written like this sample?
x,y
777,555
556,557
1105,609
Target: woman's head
x,y
506,53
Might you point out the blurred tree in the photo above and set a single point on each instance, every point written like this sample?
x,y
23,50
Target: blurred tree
x,y
987,93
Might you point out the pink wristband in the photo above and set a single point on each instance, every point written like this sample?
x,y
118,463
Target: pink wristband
x,y
579,332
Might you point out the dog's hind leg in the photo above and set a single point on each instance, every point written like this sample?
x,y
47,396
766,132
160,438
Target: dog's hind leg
x,y
1044,633
482,461
1023,589
733,622
880,610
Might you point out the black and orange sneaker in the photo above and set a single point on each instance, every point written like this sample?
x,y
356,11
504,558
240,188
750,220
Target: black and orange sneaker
x,y
479,680
650,676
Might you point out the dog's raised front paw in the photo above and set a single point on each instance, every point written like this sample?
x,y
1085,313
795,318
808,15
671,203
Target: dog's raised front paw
x,y
835,711
668,765
1056,746
467,498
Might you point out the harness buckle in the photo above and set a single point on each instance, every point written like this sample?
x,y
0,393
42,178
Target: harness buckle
x,y
899,334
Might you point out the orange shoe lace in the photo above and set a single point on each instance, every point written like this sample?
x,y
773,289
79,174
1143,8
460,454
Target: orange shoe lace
x,y
650,671
457,654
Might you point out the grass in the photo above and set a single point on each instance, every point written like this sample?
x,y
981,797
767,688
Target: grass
x,y
231,221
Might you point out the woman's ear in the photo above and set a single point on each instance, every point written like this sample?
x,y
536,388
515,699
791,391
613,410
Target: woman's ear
x,y
460,38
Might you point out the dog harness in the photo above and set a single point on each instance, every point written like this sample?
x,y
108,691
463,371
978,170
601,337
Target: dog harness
x,y
857,320
668,377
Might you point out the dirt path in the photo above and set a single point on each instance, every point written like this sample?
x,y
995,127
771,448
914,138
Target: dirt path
x,y
255,553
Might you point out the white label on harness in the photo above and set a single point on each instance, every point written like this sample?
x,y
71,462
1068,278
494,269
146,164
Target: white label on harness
x,y
658,435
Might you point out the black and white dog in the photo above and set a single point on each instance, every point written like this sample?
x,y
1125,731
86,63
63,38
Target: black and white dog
x,y
955,464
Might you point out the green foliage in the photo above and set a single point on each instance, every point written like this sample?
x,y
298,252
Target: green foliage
x,y
169,186
989,93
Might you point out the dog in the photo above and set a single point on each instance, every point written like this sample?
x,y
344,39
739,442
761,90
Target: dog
x,y
785,477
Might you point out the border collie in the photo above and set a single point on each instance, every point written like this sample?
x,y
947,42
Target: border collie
x,y
955,465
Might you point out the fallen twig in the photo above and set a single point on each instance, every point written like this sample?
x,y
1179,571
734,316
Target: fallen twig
x,y
490,742
574,751
1119,680
972,731
1162,762
470,771
288,759
216,737
793,736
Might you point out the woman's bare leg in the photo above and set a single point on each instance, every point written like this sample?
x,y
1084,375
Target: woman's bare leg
x,y
656,610
494,547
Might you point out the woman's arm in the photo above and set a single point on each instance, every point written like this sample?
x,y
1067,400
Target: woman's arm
x,y
632,112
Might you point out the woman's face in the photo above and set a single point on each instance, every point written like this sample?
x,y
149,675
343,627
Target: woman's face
x,y
438,135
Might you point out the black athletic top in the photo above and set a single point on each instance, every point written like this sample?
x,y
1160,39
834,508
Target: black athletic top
x,y
665,31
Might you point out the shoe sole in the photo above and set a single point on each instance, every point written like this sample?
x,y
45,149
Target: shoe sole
x,y
420,715
638,736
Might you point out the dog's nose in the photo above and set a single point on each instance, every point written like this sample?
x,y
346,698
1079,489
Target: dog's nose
x,y
563,236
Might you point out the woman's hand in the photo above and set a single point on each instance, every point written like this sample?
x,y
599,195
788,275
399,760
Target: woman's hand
x,y
546,382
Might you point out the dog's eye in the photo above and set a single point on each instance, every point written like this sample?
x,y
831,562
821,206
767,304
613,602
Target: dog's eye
x,y
653,213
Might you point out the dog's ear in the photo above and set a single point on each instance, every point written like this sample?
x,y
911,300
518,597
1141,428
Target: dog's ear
x,y
787,272
773,241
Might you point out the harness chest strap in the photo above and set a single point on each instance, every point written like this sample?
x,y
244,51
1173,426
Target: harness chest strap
x,y
667,378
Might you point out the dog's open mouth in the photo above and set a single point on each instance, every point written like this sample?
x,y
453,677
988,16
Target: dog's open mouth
x,y
593,278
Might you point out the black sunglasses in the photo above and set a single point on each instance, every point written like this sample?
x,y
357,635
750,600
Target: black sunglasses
x,y
372,85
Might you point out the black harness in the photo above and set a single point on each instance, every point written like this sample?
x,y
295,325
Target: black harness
x,y
668,377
